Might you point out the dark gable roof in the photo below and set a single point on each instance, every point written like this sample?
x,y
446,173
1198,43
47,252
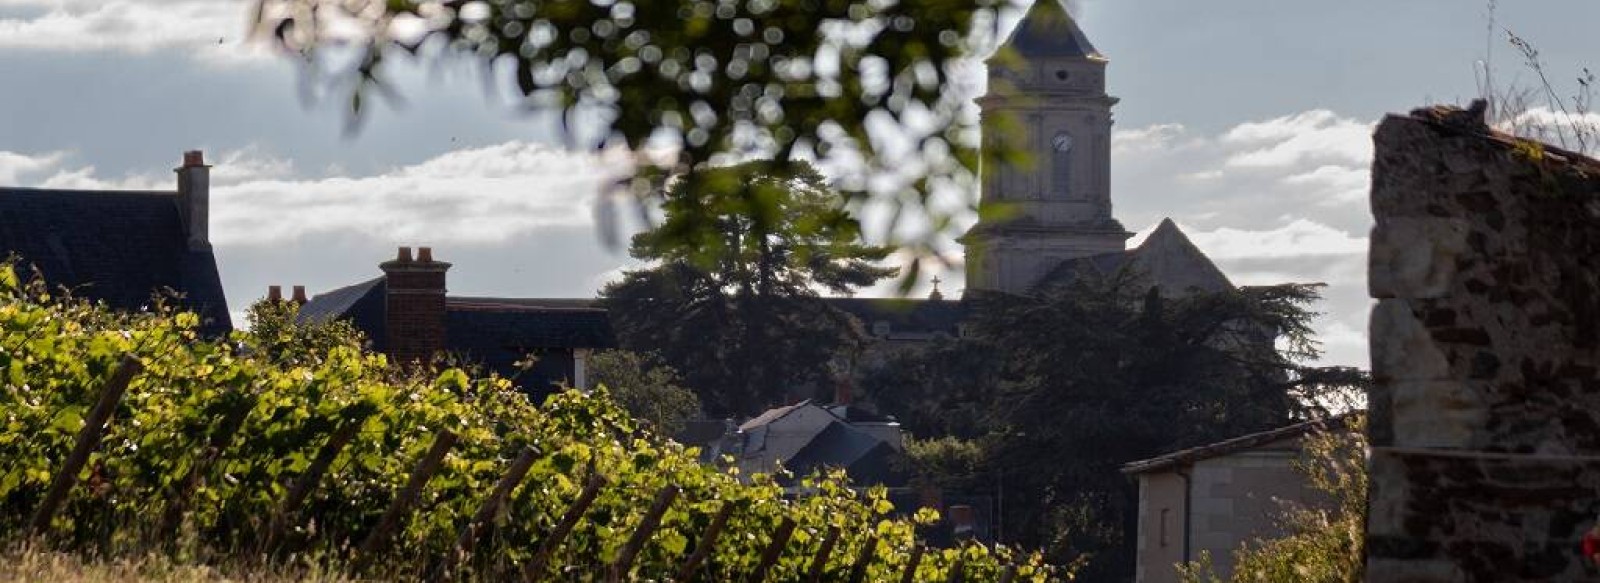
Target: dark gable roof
x,y
867,459
362,304
1048,31
116,246
528,302
1235,445
481,329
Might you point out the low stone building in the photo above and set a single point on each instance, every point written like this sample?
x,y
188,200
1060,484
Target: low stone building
x,y
1213,498
122,247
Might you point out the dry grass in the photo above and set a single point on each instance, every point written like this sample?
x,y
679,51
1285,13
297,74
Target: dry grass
x,y
34,565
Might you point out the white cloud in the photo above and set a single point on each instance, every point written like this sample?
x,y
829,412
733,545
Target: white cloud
x,y
1300,238
213,30
473,196
481,195
1577,131
1149,139
1272,201
1318,135
13,166
83,178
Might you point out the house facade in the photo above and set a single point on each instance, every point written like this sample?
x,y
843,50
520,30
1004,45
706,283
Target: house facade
x,y
125,248
1213,498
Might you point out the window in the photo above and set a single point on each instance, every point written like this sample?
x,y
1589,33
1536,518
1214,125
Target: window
x,y
1061,165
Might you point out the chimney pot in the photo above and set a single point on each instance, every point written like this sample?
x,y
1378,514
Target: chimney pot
x,y
193,158
274,293
404,256
300,295
425,254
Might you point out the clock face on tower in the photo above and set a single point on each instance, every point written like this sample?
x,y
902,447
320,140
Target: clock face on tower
x,y
1062,143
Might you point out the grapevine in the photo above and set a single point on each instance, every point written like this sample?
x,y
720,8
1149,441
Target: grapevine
x,y
216,433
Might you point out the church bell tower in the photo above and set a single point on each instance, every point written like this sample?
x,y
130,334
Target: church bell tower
x,y
1056,206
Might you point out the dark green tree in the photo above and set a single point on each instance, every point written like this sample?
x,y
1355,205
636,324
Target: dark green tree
x,y
943,389
1063,386
734,304
647,388
1103,371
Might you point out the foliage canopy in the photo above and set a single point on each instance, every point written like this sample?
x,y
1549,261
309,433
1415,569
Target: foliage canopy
x,y
646,388
736,307
873,85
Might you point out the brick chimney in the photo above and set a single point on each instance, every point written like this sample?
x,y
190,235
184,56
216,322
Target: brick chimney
x,y
300,295
274,293
843,390
194,199
414,307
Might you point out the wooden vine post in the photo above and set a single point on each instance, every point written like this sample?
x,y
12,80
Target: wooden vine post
x,y
172,517
858,571
307,482
406,498
88,441
647,526
467,539
536,566
1010,573
958,570
820,561
770,556
910,575
708,541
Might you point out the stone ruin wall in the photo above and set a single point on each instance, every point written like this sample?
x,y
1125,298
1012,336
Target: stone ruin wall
x,y
1485,414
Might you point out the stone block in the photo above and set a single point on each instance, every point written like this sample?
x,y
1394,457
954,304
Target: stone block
x,y
1402,348
1415,257
1435,413
1397,571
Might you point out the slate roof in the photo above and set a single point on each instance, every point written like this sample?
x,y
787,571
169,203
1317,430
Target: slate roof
x,y
771,415
1048,31
857,414
116,246
481,329
867,459
497,333
1238,444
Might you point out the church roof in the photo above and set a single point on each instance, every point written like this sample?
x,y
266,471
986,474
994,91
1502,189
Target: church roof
x,y
1048,31
1167,257
1175,263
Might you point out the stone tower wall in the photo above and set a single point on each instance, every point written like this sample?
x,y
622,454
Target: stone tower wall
x,y
1485,424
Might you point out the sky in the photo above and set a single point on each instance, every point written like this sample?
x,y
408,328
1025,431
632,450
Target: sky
x,y
1246,121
